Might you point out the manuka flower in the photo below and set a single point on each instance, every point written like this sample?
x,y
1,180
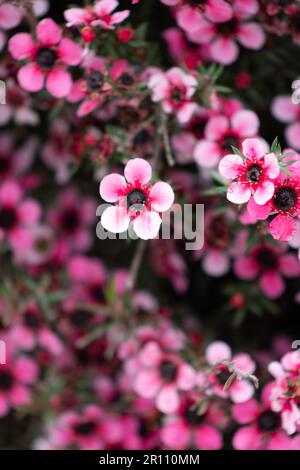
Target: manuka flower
x,y
136,200
101,14
47,59
175,90
252,176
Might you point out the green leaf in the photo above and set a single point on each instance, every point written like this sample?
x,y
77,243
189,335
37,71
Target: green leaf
x,y
214,191
276,147
236,151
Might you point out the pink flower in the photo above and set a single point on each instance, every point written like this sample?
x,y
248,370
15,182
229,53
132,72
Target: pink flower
x,y
239,391
47,59
174,89
18,106
289,113
251,176
135,200
16,215
220,38
160,376
268,263
72,217
31,330
15,162
284,394
192,429
285,203
92,429
10,17
98,15
222,132
16,379
189,13
262,430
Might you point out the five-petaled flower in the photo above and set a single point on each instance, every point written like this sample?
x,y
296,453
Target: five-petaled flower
x,y
174,89
47,59
252,176
135,200
101,14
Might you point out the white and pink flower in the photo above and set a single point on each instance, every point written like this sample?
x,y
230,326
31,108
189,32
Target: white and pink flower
x,y
175,90
100,14
221,132
252,175
135,199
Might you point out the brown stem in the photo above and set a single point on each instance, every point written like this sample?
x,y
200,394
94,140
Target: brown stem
x,y
136,264
166,139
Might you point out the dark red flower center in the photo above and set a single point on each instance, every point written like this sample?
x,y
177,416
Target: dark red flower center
x,y
228,141
70,220
196,126
126,79
8,218
269,421
228,27
85,428
94,81
31,320
285,198
41,245
266,259
46,57
136,197
168,371
222,376
6,381
80,318
253,173
195,3
5,164
295,22
192,417
141,137
177,94
97,293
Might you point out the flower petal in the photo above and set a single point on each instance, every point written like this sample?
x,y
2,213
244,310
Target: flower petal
x,y
70,52
112,187
48,32
230,165
59,83
224,50
31,78
147,225
138,171
252,148
245,123
238,194
207,154
264,192
115,219
282,227
21,46
161,196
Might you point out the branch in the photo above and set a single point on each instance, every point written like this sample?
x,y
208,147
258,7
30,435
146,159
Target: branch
x,y
136,264
238,374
